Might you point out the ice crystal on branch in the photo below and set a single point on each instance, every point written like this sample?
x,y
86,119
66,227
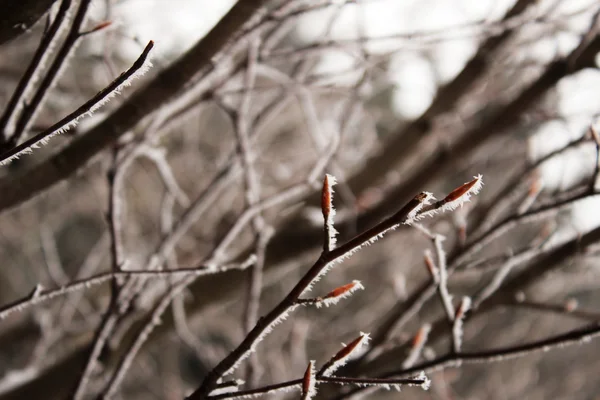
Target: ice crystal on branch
x,y
139,68
335,295
418,344
345,354
457,328
426,381
454,199
328,212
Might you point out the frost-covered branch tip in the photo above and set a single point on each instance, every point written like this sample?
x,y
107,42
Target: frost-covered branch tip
x,y
328,212
139,67
457,328
344,355
453,200
101,26
230,386
418,344
335,295
309,388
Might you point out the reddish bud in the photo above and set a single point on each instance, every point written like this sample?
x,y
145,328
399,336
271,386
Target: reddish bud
x,y
308,382
463,189
571,305
342,290
349,348
421,336
326,196
535,187
465,306
101,26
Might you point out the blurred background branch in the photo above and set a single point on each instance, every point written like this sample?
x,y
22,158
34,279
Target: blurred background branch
x,y
170,229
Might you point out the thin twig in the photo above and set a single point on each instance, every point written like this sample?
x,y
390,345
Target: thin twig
x,y
138,68
443,283
30,109
321,266
453,360
561,309
42,53
44,295
285,386
418,344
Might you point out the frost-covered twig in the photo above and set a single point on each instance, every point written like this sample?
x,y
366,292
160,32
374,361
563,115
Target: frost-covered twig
x,y
327,260
501,275
454,199
335,295
453,360
31,75
341,357
415,208
501,227
457,327
573,337
418,344
439,276
445,296
419,380
507,195
40,295
31,108
153,320
115,217
562,309
403,312
328,213
137,69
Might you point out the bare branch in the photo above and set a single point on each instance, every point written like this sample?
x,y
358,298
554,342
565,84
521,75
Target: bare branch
x,y
138,68
42,53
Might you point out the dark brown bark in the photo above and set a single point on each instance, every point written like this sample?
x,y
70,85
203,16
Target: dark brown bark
x,y
20,15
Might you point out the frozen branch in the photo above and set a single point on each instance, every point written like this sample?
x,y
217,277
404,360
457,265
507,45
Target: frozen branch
x,y
137,69
33,71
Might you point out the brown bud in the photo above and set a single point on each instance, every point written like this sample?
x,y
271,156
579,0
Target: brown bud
x,y
308,380
339,291
326,197
461,190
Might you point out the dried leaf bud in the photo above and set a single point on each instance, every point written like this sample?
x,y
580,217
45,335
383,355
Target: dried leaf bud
x,y
465,306
421,336
352,346
344,354
535,187
308,382
100,26
340,291
327,195
468,188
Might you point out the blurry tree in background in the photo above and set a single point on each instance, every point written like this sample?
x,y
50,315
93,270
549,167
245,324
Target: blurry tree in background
x,y
158,243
